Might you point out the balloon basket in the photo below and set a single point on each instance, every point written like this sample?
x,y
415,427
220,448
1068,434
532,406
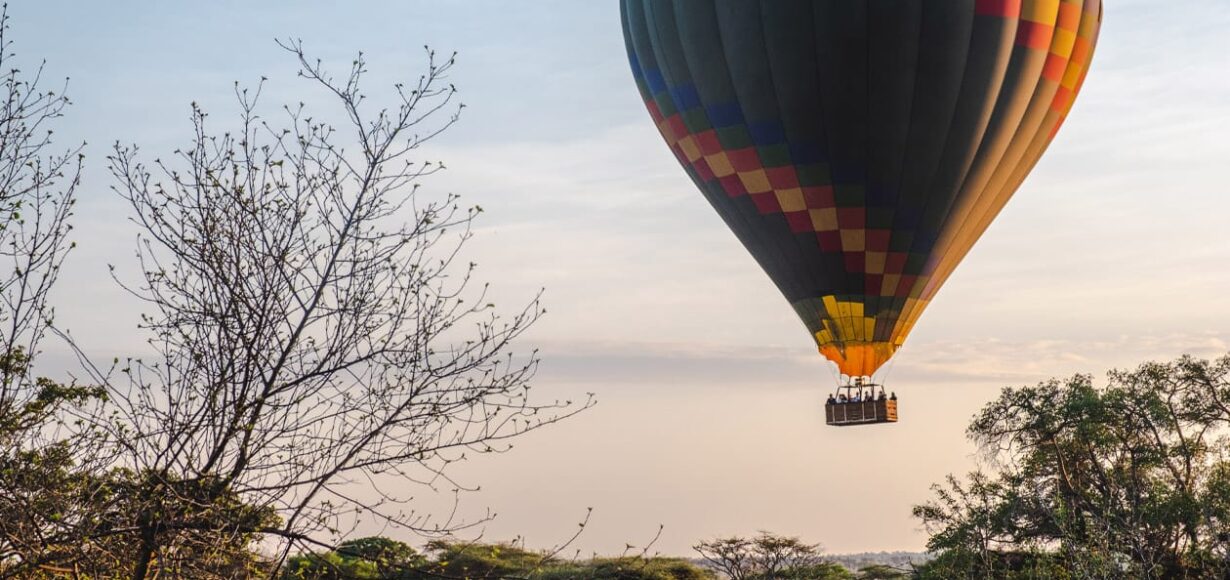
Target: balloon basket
x,y
857,403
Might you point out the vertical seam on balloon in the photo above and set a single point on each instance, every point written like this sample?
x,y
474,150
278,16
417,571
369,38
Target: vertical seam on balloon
x,y
1019,147
813,304
809,273
1093,45
927,284
902,164
821,311
866,147
840,315
652,27
907,310
1075,91
657,46
1007,130
817,301
985,201
772,252
1039,141
767,242
1023,171
933,172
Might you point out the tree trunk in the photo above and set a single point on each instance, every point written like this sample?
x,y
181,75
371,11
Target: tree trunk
x,y
146,555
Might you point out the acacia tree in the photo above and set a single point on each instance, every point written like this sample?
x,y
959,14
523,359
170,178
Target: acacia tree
x,y
768,557
1131,478
320,345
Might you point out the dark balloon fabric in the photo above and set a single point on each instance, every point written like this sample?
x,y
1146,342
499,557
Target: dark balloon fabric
x,y
859,148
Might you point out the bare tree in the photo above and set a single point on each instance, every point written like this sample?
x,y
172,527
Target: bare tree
x,y
39,463
320,343
37,193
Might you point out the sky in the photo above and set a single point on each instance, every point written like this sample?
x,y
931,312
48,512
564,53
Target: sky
x,y
709,419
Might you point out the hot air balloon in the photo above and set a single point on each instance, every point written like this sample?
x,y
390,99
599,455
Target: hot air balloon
x,y
859,148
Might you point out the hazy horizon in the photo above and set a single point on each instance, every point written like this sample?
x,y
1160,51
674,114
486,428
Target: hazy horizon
x,y
709,419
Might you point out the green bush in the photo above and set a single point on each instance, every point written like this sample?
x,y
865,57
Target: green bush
x,y
374,558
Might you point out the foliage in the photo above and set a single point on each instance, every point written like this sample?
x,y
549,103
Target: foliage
x,y
372,557
454,559
479,560
880,572
628,568
1006,566
82,522
1124,480
822,571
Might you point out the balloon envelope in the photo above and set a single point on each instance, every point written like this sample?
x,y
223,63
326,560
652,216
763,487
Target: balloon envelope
x,y
859,148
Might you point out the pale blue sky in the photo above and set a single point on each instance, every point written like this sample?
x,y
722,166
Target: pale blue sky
x,y
709,421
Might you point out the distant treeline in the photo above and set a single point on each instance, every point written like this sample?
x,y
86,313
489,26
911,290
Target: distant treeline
x,y
763,557
899,560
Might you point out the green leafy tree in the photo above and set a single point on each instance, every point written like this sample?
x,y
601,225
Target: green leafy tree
x,y
459,559
628,568
1129,479
364,558
880,572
